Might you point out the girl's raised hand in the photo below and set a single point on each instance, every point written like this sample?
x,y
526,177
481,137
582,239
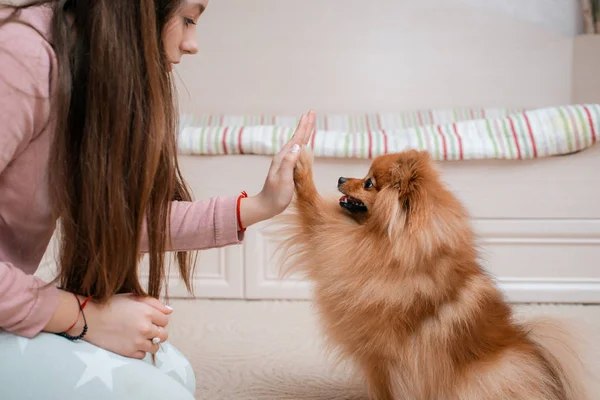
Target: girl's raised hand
x,y
278,190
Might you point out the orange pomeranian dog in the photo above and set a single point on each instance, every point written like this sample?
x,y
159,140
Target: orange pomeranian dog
x,y
401,293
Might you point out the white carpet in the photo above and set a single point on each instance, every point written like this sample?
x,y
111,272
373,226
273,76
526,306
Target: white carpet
x,y
272,350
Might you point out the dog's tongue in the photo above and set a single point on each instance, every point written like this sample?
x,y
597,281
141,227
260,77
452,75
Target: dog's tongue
x,y
343,198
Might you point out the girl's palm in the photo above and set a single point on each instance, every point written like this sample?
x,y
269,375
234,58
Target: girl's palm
x,y
278,189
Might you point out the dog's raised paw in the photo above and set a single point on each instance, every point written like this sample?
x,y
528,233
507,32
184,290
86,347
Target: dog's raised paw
x,y
306,156
303,168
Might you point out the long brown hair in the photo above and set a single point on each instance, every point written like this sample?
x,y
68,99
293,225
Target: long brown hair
x,y
113,163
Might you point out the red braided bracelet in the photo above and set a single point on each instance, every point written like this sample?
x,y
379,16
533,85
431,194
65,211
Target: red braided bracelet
x,y
239,218
85,326
71,327
81,309
85,302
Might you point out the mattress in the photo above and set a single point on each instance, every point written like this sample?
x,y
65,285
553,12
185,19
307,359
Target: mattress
x,y
448,134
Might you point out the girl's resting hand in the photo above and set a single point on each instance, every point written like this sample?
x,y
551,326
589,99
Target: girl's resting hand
x,y
126,325
278,189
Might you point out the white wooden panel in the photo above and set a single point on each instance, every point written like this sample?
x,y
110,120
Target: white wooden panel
x,y
533,260
262,274
219,273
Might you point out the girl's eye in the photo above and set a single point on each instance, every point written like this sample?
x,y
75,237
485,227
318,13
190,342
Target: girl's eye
x,y
368,184
189,21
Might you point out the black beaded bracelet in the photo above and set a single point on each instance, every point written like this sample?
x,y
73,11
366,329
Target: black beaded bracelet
x,y
85,327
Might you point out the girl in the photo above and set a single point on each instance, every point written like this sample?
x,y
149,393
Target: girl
x,y
87,139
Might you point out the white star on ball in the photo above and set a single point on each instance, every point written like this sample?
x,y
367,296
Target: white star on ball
x,y
23,342
99,365
171,361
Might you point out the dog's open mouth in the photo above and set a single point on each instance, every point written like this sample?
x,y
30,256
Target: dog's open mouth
x,y
351,204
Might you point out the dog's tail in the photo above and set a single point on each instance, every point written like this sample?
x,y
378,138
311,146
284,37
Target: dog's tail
x,y
565,350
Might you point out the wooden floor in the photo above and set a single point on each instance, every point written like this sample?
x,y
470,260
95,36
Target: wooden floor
x,y
271,349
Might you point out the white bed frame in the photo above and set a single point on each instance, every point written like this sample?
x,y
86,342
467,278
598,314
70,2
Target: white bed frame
x,y
539,220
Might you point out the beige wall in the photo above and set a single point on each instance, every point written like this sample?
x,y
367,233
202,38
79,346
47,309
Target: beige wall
x,y
586,69
281,56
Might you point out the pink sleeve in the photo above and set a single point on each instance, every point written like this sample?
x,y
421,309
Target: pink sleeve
x,y
26,302
202,224
25,66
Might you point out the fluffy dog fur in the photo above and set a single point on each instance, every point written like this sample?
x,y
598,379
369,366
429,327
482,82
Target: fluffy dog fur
x,y
401,293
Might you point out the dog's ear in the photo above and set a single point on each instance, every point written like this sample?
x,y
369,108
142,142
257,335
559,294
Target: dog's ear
x,y
409,171
402,204
409,178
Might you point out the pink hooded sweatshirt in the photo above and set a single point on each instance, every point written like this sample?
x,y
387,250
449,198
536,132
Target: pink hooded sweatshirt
x,y
27,79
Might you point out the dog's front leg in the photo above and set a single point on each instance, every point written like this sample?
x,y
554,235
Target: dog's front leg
x,y
308,201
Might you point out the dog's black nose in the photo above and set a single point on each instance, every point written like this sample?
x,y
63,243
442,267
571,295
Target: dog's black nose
x,y
341,181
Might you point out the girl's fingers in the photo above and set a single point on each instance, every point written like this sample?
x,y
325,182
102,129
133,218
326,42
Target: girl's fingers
x,y
311,128
157,304
286,171
158,318
163,334
296,139
148,346
158,332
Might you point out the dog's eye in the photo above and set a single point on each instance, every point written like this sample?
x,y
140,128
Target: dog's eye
x,y
368,184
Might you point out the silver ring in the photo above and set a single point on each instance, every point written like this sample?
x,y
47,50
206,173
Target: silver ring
x,y
156,340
